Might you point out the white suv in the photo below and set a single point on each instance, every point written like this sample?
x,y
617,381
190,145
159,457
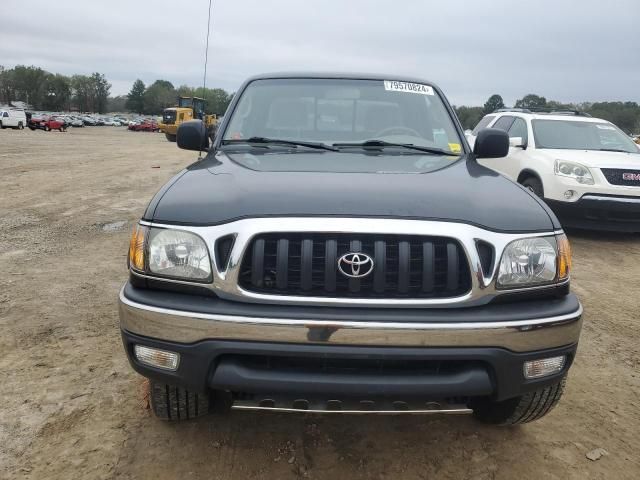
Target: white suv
x,y
585,168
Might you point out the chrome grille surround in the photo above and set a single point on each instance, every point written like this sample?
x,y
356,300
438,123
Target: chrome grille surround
x,y
225,277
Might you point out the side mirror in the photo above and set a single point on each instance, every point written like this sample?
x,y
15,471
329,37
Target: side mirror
x,y
491,143
192,135
517,142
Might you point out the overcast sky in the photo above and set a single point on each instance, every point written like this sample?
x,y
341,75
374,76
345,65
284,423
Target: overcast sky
x,y
565,50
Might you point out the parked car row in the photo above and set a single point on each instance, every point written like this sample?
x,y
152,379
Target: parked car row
x,y
18,119
91,121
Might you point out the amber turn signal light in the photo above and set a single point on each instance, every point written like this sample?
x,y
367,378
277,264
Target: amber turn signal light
x,y
136,247
564,257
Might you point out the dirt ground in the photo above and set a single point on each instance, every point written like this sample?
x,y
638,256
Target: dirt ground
x,y
71,407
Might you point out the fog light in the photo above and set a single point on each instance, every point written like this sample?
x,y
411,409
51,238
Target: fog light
x,y
157,358
544,367
568,194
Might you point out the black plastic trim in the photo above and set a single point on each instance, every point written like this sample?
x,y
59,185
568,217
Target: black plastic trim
x,y
594,214
199,361
234,375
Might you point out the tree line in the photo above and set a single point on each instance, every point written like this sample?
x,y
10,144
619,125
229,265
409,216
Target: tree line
x,y
626,115
152,100
43,90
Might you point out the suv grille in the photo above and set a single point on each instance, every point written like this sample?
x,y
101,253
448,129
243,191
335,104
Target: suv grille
x,y
306,264
616,176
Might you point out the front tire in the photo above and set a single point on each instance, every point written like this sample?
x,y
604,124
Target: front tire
x,y
20,126
171,138
47,128
534,185
524,409
174,404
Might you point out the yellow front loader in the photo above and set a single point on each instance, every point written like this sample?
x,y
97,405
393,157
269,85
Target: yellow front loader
x,y
189,108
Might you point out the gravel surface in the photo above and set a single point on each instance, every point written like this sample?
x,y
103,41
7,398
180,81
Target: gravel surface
x,y
71,407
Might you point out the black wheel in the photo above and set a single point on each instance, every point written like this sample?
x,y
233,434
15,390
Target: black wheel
x,y
534,185
526,408
175,403
47,128
171,138
2,126
20,126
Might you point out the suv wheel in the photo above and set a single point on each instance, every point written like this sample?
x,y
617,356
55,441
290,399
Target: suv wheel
x,y
2,126
534,185
173,403
526,408
20,126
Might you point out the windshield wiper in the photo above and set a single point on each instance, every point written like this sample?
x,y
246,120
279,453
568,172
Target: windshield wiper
x,y
614,150
275,141
382,144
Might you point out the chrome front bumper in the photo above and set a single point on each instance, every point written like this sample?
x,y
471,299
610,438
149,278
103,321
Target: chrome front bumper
x,y
189,327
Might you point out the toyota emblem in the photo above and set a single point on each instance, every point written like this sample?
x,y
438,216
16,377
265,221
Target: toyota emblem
x,y
355,265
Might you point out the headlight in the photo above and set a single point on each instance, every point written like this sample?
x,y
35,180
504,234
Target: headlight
x,y
169,253
180,254
578,172
534,261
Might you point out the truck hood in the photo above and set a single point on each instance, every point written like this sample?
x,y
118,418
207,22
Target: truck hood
x,y
219,190
595,158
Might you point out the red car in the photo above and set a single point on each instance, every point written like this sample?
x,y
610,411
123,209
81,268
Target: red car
x,y
46,123
146,126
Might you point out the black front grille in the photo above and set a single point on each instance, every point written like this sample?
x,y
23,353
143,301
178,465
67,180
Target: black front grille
x,y
405,266
620,176
337,365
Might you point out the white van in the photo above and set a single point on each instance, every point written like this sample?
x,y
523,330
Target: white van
x,y
13,118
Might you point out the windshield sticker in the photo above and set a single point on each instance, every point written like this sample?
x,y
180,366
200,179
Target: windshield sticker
x,y
605,127
395,86
455,147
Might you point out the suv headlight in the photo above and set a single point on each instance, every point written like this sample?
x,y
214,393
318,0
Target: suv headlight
x,y
534,261
169,253
578,172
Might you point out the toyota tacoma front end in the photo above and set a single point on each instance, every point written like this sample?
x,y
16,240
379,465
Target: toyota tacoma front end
x,y
339,249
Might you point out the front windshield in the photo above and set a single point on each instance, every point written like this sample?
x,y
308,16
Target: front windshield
x,y
575,135
339,111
